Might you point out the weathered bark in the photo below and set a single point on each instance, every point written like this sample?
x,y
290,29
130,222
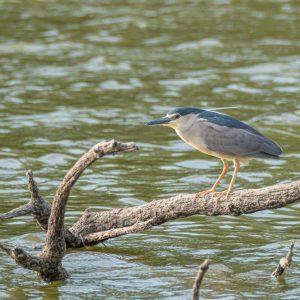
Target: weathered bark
x,y
95,227
37,206
40,208
17,212
198,279
48,265
107,223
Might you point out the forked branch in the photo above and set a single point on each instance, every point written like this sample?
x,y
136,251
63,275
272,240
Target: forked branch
x,y
48,264
95,227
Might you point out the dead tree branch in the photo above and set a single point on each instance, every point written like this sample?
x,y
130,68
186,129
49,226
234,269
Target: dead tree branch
x,y
48,265
100,237
95,227
198,279
161,211
40,208
17,212
36,206
284,263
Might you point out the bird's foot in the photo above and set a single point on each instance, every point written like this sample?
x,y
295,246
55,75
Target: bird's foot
x,y
204,193
219,195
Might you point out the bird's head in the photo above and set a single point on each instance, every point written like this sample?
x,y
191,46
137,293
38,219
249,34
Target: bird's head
x,y
176,117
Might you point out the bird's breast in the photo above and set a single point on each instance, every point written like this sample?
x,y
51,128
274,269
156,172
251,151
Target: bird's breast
x,y
196,141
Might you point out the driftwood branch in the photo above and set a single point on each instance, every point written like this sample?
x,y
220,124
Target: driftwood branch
x,y
96,227
161,211
55,240
198,279
284,263
48,264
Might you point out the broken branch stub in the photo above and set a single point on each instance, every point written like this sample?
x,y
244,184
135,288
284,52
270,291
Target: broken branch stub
x,y
198,279
284,263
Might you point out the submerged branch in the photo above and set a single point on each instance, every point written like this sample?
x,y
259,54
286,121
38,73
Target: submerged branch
x,y
284,263
23,258
199,277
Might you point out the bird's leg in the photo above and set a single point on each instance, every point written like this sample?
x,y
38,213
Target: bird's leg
x,y
222,175
236,169
230,188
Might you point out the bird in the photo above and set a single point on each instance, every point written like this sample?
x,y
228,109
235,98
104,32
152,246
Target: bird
x,y
221,136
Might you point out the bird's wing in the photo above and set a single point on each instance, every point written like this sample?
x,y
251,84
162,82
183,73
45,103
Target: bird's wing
x,y
225,120
235,140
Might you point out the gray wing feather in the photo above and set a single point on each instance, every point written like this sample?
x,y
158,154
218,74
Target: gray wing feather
x,y
237,141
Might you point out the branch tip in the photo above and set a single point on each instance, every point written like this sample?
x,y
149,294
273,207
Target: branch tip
x,y
29,173
198,279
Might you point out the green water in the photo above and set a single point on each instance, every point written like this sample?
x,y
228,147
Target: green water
x,y
73,73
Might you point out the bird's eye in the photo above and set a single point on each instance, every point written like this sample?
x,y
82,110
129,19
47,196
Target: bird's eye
x,y
177,116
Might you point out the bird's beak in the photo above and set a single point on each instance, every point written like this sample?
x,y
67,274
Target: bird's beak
x,y
160,121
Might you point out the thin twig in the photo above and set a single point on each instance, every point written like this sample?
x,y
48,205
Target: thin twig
x,y
284,263
201,272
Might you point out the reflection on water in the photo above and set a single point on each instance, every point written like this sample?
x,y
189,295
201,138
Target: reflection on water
x,y
73,73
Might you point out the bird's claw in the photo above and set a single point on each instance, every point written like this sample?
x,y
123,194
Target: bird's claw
x,y
215,193
204,193
220,195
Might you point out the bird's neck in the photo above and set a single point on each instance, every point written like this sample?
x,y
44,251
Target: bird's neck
x,y
185,124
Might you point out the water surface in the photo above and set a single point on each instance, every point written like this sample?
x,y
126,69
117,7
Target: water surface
x,y
76,72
